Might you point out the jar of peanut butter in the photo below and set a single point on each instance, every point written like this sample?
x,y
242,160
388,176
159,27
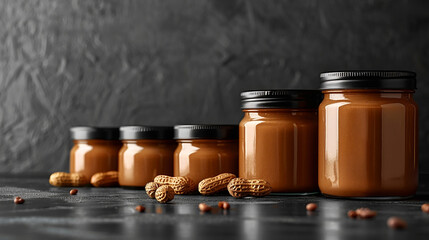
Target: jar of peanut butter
x,y
368,134
95,150
205,151
278,139
147,151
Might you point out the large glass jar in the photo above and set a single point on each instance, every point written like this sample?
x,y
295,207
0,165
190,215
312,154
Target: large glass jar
x,y
278,139
368,134
147,152
95,150
205,151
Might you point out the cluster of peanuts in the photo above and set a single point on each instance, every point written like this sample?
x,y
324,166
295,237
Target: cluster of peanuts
x,y
164,187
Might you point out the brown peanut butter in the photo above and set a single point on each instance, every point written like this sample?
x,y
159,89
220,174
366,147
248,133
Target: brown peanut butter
x,y
95,150
147,152
200,159
93,156
280,146
367,143
205,151
278,139
368,134
140,161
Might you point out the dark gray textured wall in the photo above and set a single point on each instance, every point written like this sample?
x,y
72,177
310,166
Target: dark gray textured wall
x,y
82,62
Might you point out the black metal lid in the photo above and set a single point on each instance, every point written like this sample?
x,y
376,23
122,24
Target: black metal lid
x,y
201,131
368,80
146,132
293,99
100,133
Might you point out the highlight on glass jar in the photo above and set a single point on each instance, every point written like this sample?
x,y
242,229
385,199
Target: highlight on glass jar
x,y
278,139
205,151
95,150
147,151
368,134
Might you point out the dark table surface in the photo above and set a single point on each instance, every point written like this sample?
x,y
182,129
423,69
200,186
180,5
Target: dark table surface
x,y
108,213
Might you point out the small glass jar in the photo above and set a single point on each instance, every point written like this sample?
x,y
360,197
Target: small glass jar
x,y
95,150
368,134
146,152
205,151
278,139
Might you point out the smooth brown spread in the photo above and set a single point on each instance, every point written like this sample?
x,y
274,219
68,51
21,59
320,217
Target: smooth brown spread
x,y
367,143
93,156
280,146
140,161
199,159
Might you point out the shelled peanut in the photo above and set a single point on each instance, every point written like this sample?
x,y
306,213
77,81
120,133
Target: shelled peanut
x,y
215,184
105,179
240,187
180,185
63,179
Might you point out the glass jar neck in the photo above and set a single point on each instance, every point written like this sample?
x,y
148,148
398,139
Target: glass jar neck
x,y
368,94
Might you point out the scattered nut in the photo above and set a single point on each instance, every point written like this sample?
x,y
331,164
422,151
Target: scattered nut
x,y
365,213
311,207
425,207
204,207
151,189
140,208
223,205
19,200
226,206
396,223
164,194
73,191
352,214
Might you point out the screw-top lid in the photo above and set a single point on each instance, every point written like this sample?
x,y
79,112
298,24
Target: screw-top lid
x,y
368,80
221,132
100,133
146,132
292,99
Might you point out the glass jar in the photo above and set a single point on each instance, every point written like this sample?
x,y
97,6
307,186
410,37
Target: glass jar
x,y
146,152
95,150
368,134
278,139
205,151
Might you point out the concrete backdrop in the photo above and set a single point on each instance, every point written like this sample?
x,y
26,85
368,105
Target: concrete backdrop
x,y
82,62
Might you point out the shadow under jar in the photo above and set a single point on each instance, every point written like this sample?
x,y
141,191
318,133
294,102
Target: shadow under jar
x,y
147,151
368,134
95,150
278,139
205,151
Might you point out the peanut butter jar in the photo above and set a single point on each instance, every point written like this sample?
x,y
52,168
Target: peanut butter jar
x,y
147,151
95,150
205,151
278,139
368,134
